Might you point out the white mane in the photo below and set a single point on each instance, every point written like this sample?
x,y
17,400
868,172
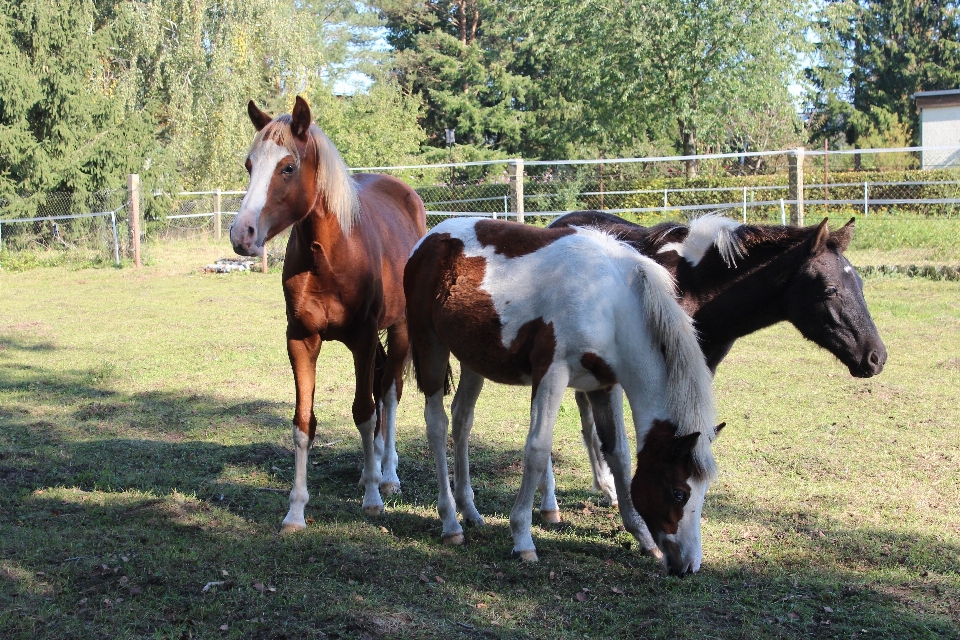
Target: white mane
x,y
690,399
706,231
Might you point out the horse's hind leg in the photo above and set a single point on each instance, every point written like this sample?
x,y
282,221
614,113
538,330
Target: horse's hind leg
x,y
398,348
608,411
602,478
364,416
463,404
432,360
303,359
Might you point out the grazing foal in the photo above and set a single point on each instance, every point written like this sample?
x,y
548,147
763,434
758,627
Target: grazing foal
x,y
342,280
558,308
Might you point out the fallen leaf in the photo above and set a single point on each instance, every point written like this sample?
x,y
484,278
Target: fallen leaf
x,y
439,579
258,586
646,623
351,582
41,573
82,601
424,578
224,572
271,589
123,580
108,602
310,521
793,616
481,605
207,586
384,530
134,591
311,559
828,609
552,575
616,591
125,558
581,596
224,627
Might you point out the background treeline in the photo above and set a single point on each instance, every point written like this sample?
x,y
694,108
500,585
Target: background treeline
x,y
94,89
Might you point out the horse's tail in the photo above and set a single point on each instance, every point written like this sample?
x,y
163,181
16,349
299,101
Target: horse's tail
x,y
447,379
690,397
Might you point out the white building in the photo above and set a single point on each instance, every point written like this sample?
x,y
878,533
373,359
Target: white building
x,y
939,126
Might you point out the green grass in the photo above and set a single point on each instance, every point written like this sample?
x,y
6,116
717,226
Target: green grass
x,y
145,452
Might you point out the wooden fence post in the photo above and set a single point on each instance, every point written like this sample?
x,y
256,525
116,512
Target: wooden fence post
x,y
133,193
216,215
796,186
516,187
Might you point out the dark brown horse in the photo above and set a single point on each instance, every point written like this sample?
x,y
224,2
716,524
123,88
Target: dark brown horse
x,y
735,279
342,280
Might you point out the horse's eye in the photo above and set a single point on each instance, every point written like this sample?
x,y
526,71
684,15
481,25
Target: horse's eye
x,y
287,170
830,292
679,496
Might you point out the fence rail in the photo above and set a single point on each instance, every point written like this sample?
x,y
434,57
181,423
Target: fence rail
x,y
756,186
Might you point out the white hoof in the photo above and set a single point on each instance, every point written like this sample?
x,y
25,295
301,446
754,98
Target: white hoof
x,y
550,516
452,538
527,556
389,488
291,527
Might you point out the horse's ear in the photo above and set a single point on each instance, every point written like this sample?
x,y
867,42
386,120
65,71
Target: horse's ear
x,y
818,242
301,118
683,445
257,117
844,235
717,429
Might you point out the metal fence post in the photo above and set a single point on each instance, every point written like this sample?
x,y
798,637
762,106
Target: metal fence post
x,y
516,187
783,213
744,205
116,241
866,198
216,215
795,167
664,197
133,193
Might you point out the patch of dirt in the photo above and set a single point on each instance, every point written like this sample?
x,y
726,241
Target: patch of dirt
x,y
950,365
377,625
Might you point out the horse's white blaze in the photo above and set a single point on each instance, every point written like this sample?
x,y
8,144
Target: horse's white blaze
x,y
687,538
264,159
705,232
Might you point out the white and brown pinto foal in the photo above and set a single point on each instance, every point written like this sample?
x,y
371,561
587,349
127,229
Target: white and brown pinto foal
x,y
342,280
558,308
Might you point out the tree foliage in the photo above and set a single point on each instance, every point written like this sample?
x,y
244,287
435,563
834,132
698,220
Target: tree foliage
x,y
871,57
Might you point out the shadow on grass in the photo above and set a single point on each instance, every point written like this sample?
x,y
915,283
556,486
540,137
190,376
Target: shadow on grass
x,y
350,575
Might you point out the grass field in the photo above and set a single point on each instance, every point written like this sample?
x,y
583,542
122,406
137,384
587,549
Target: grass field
x,y
145,458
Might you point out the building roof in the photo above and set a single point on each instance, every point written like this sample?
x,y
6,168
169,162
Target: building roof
x,y
934,99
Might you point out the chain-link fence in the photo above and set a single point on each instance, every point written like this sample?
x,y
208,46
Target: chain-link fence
x,y
910,196
91,225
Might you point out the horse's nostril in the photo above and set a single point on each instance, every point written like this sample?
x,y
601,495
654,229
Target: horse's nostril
x,y
874,358
251,231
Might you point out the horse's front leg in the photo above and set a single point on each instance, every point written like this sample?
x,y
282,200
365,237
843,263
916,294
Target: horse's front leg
x,y
602,478
364,350
543,417
608,412
463,405
303,354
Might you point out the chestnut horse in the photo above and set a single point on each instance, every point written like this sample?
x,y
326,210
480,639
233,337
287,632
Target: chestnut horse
x,y
342,280
558,308
734,279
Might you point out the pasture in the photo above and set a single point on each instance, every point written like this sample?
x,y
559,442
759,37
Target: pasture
x,y
145,462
